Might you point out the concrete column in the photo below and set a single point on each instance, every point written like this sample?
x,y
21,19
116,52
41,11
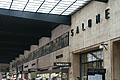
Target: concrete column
x,y
43,41
107,60
75,68
116,59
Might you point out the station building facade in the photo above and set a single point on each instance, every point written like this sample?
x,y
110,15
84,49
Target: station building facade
x,y
39,61
93,41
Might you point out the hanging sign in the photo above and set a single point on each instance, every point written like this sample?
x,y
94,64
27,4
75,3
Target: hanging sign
x,y
62,64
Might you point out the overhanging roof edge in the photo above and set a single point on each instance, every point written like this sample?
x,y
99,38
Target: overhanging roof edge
x,y
60,19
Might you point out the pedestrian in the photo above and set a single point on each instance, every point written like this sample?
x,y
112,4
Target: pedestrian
x,y
78,78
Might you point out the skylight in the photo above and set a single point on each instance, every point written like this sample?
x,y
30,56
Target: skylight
x,y
60,7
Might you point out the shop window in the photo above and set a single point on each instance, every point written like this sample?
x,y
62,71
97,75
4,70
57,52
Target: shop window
x,y
90,60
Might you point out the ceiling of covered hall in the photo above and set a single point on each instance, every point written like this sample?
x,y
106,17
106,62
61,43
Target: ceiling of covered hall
x,y
60,7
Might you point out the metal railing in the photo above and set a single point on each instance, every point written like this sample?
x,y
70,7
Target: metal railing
x,y
58,43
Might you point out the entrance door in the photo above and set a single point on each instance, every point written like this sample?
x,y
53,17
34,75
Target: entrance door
x,y
116,60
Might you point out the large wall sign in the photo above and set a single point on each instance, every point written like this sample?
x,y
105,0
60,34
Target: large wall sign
x,y
107,13
97,18
72,32
77,30
89,23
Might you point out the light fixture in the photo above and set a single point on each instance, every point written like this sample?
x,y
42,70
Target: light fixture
x,y
103,46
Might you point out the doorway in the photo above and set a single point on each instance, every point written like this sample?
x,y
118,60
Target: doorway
x,y
93,59
116,60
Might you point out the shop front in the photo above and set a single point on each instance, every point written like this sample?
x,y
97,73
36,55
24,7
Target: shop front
x,y
54,74
90,60
116,59
32,73
19,76
14,76
20,72
25,75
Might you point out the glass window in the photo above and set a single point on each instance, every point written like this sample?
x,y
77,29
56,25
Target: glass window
x,y
5,4
18,4
90,60
33,5
48,6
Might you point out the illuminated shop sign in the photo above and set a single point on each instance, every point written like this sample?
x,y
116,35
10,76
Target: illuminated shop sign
x,y
48,75
55,74
44,75
62,64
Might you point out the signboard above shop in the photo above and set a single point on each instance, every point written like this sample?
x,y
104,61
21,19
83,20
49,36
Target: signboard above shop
x,y
62,64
